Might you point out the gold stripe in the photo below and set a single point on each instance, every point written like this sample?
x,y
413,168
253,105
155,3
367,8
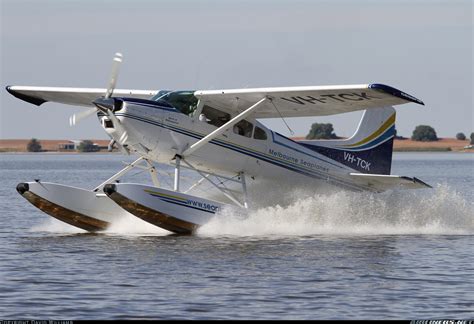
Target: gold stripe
x,y
66,215
382,129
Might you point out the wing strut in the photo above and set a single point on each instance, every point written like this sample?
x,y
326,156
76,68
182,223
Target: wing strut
x,y
223,128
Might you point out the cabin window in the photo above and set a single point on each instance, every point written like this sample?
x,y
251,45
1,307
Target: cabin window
x,y
243,128
259,134
214,116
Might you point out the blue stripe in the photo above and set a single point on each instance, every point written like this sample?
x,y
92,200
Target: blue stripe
x,y
160,124
313,173
379,140
389,133
294,149
316,174
173,201
369,146
217,142
169,198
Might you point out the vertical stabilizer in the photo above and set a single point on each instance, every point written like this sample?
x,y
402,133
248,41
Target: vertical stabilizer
x,y
369,150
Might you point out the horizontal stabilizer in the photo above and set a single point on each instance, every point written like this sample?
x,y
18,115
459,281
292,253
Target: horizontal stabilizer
x,y
384,182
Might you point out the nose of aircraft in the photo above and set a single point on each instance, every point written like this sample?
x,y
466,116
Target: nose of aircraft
x,y
112,104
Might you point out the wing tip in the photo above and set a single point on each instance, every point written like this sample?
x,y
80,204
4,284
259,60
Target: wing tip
x,y
422,182
395,92
33,100
417,181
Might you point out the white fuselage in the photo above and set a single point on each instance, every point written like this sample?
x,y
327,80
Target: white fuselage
x,y
160,133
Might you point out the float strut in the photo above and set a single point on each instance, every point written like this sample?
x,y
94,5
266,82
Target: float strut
x,y
177,173
244,189
119,174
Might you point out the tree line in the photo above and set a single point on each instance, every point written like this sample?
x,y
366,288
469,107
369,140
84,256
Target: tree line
x,y
85,146
423,133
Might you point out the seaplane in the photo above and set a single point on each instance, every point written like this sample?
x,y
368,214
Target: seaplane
x,y
217,135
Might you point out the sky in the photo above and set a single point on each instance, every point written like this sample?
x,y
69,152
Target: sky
x,y
421,47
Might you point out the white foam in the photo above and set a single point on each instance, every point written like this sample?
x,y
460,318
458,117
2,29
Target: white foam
x,y
132,225
304,211
430,211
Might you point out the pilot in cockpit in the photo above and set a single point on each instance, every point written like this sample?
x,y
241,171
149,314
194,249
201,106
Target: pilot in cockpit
x,y
203,118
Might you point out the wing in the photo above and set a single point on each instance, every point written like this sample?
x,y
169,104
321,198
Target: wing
x,y
382,182
71,96
306,101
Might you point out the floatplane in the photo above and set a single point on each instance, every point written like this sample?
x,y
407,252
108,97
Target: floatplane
x,y
216,133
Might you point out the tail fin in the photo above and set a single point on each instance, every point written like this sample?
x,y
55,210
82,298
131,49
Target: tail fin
x,y
369,150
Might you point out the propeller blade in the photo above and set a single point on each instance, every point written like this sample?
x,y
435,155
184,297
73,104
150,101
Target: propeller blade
x,y
108,105
114,75
118,128
124,137
76,118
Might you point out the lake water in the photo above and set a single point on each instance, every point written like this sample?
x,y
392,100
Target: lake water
x,y
300,255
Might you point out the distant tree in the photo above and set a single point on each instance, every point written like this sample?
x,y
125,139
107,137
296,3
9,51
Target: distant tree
x,y
321,131
87,146
460,136
33,145
472,138
424,133
398,137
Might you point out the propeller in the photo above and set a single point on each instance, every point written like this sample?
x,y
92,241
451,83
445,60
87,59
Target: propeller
x,y
108,105
76,118
113,77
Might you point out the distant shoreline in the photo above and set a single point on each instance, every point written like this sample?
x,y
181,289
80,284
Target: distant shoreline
x,y
442,145
405,145
48,146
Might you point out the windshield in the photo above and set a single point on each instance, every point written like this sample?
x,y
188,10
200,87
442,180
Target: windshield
x,y
183,101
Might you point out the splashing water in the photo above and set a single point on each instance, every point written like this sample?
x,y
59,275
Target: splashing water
x,y
286,210
134,225
122,226
437,211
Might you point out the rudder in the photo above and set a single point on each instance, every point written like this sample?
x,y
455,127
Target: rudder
x,y
369,150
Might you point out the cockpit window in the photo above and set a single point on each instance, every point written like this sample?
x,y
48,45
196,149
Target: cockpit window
x,y
183,101
259,134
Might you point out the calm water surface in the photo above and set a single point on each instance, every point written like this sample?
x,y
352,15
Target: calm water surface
x,y
333,255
